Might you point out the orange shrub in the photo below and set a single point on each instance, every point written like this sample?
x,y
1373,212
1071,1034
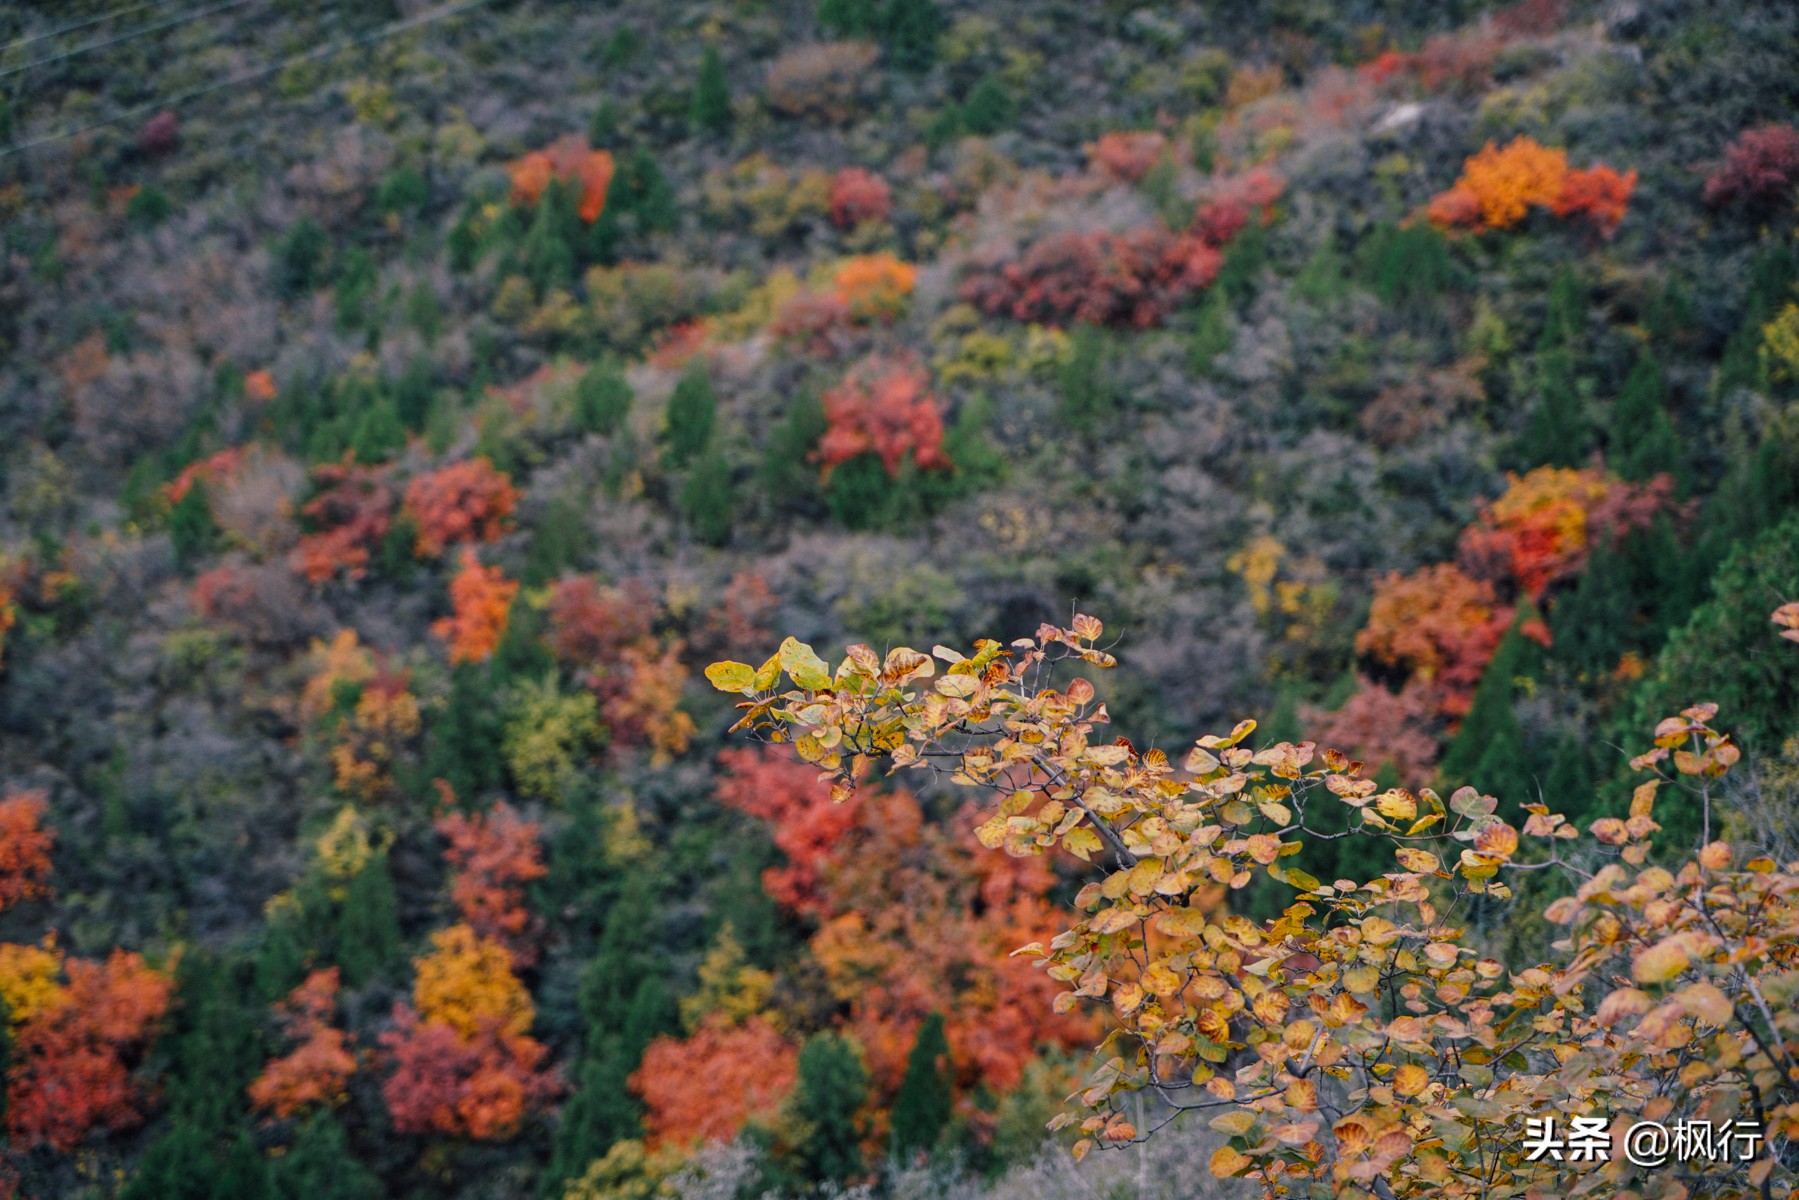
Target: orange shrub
x,y
589,172
1500,185
1599,194
68,1073
886,407
1126,156
1438,625
874,286
464,502
480,598
1542,528
316,1071
351,514
859,195
703,1088
24,848
494,855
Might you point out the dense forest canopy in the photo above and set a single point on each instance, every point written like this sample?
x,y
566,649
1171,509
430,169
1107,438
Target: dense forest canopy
x,y
402,405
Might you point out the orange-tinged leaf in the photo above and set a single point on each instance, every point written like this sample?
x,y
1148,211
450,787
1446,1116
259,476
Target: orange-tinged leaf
x,y
1660,962
1227,1162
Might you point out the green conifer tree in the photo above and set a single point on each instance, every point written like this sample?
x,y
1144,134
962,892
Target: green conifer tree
x,y
603,398
1213,332
463,744
990,107
787,474
910,28
1490,716
1644,443
548,254
368,923
625,1005
1557,434
706,500
827,1098
319,1166
925,1102
692,412
1086,386
849,18
192,531
711,109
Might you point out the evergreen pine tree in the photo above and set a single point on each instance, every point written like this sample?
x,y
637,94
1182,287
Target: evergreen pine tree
x,y
712,94
1490,716
850,18
706,500
1213,332
192,531
1568,789
831,1089
1593,621
1565,318
692,411
625,1005
1644,443
522,653
368,927
926,1097
1087,394
300,258
787,474
1557,433
379,432
646,194
548,251
989,108
463,744
603,398
910,28
559,540
319,1166
1504,771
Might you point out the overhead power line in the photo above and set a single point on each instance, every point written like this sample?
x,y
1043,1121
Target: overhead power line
x,y
249,76
115,39
72,27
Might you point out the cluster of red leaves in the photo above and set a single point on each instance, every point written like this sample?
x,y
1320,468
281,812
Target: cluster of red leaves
x,y
605,633
494,856
1500,185
1234,201
218,468
704,1087
1440,627
569,159
806,825
9,615
591,624
480,598
883,406
260,386
24,848
71,1064
159,135
1380,726
817,322
351,513
478,1087
1125,156
913,919
466,501
1542,528
315,1071
859,195
1133,278
463,1062
1759,170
